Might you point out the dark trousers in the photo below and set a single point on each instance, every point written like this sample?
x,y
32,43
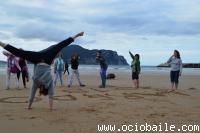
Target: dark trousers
x,y
46,55
24,76
174,76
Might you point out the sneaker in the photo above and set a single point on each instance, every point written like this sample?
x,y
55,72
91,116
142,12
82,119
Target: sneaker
x,y
82,85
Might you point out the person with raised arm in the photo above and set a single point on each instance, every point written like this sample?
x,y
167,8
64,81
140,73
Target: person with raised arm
x,y
135,66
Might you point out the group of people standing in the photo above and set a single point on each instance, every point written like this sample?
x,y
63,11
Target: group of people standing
x,y
60,67
42,60
16,66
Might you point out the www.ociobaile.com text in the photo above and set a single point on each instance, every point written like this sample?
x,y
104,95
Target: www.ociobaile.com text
x,y
148,127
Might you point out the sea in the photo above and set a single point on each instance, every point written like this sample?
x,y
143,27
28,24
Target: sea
x,y
145,70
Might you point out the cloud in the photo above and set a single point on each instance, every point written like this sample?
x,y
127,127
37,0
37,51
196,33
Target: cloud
x,y
149,27
40,30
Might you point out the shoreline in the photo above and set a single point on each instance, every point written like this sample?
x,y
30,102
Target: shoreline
x,y
145,70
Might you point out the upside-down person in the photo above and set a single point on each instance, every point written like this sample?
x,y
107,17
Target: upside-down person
x,y
42,60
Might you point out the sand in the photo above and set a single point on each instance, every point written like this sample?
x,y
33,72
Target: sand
x,y
81,110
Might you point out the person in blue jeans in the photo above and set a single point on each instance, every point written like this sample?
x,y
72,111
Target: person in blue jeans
x,y
176,69
59,66
104,67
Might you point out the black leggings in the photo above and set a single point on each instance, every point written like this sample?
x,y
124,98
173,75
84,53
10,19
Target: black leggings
x,y
47,55
66,70
24,76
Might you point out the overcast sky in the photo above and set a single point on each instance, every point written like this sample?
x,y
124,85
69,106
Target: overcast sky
x,y
152,28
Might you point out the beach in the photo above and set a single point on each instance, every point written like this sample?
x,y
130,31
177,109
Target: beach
x,y
81,110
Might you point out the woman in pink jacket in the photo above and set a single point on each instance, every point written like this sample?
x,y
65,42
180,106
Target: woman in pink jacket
x,y
12,68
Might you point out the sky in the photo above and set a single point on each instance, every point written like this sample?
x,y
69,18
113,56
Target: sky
x,y
151,28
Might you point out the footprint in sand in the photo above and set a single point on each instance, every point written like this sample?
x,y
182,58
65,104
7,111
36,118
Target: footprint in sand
x,y
17,100
76,91
104,97
149,94
33,117
155,115
192,88
146,87
65,98
122,88
29,117
132,96
160,92
85,109
128,88
136,95
180,93
9,117
163,92
99,90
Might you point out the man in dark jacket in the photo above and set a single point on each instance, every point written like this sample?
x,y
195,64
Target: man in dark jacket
x,y
104,67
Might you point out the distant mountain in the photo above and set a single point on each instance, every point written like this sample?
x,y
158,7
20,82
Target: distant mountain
x,y
89,56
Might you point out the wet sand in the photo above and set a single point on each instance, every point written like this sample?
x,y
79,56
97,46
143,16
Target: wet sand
x,y
80,110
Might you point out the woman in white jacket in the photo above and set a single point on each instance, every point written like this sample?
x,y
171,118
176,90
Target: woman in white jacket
x,y
176,69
